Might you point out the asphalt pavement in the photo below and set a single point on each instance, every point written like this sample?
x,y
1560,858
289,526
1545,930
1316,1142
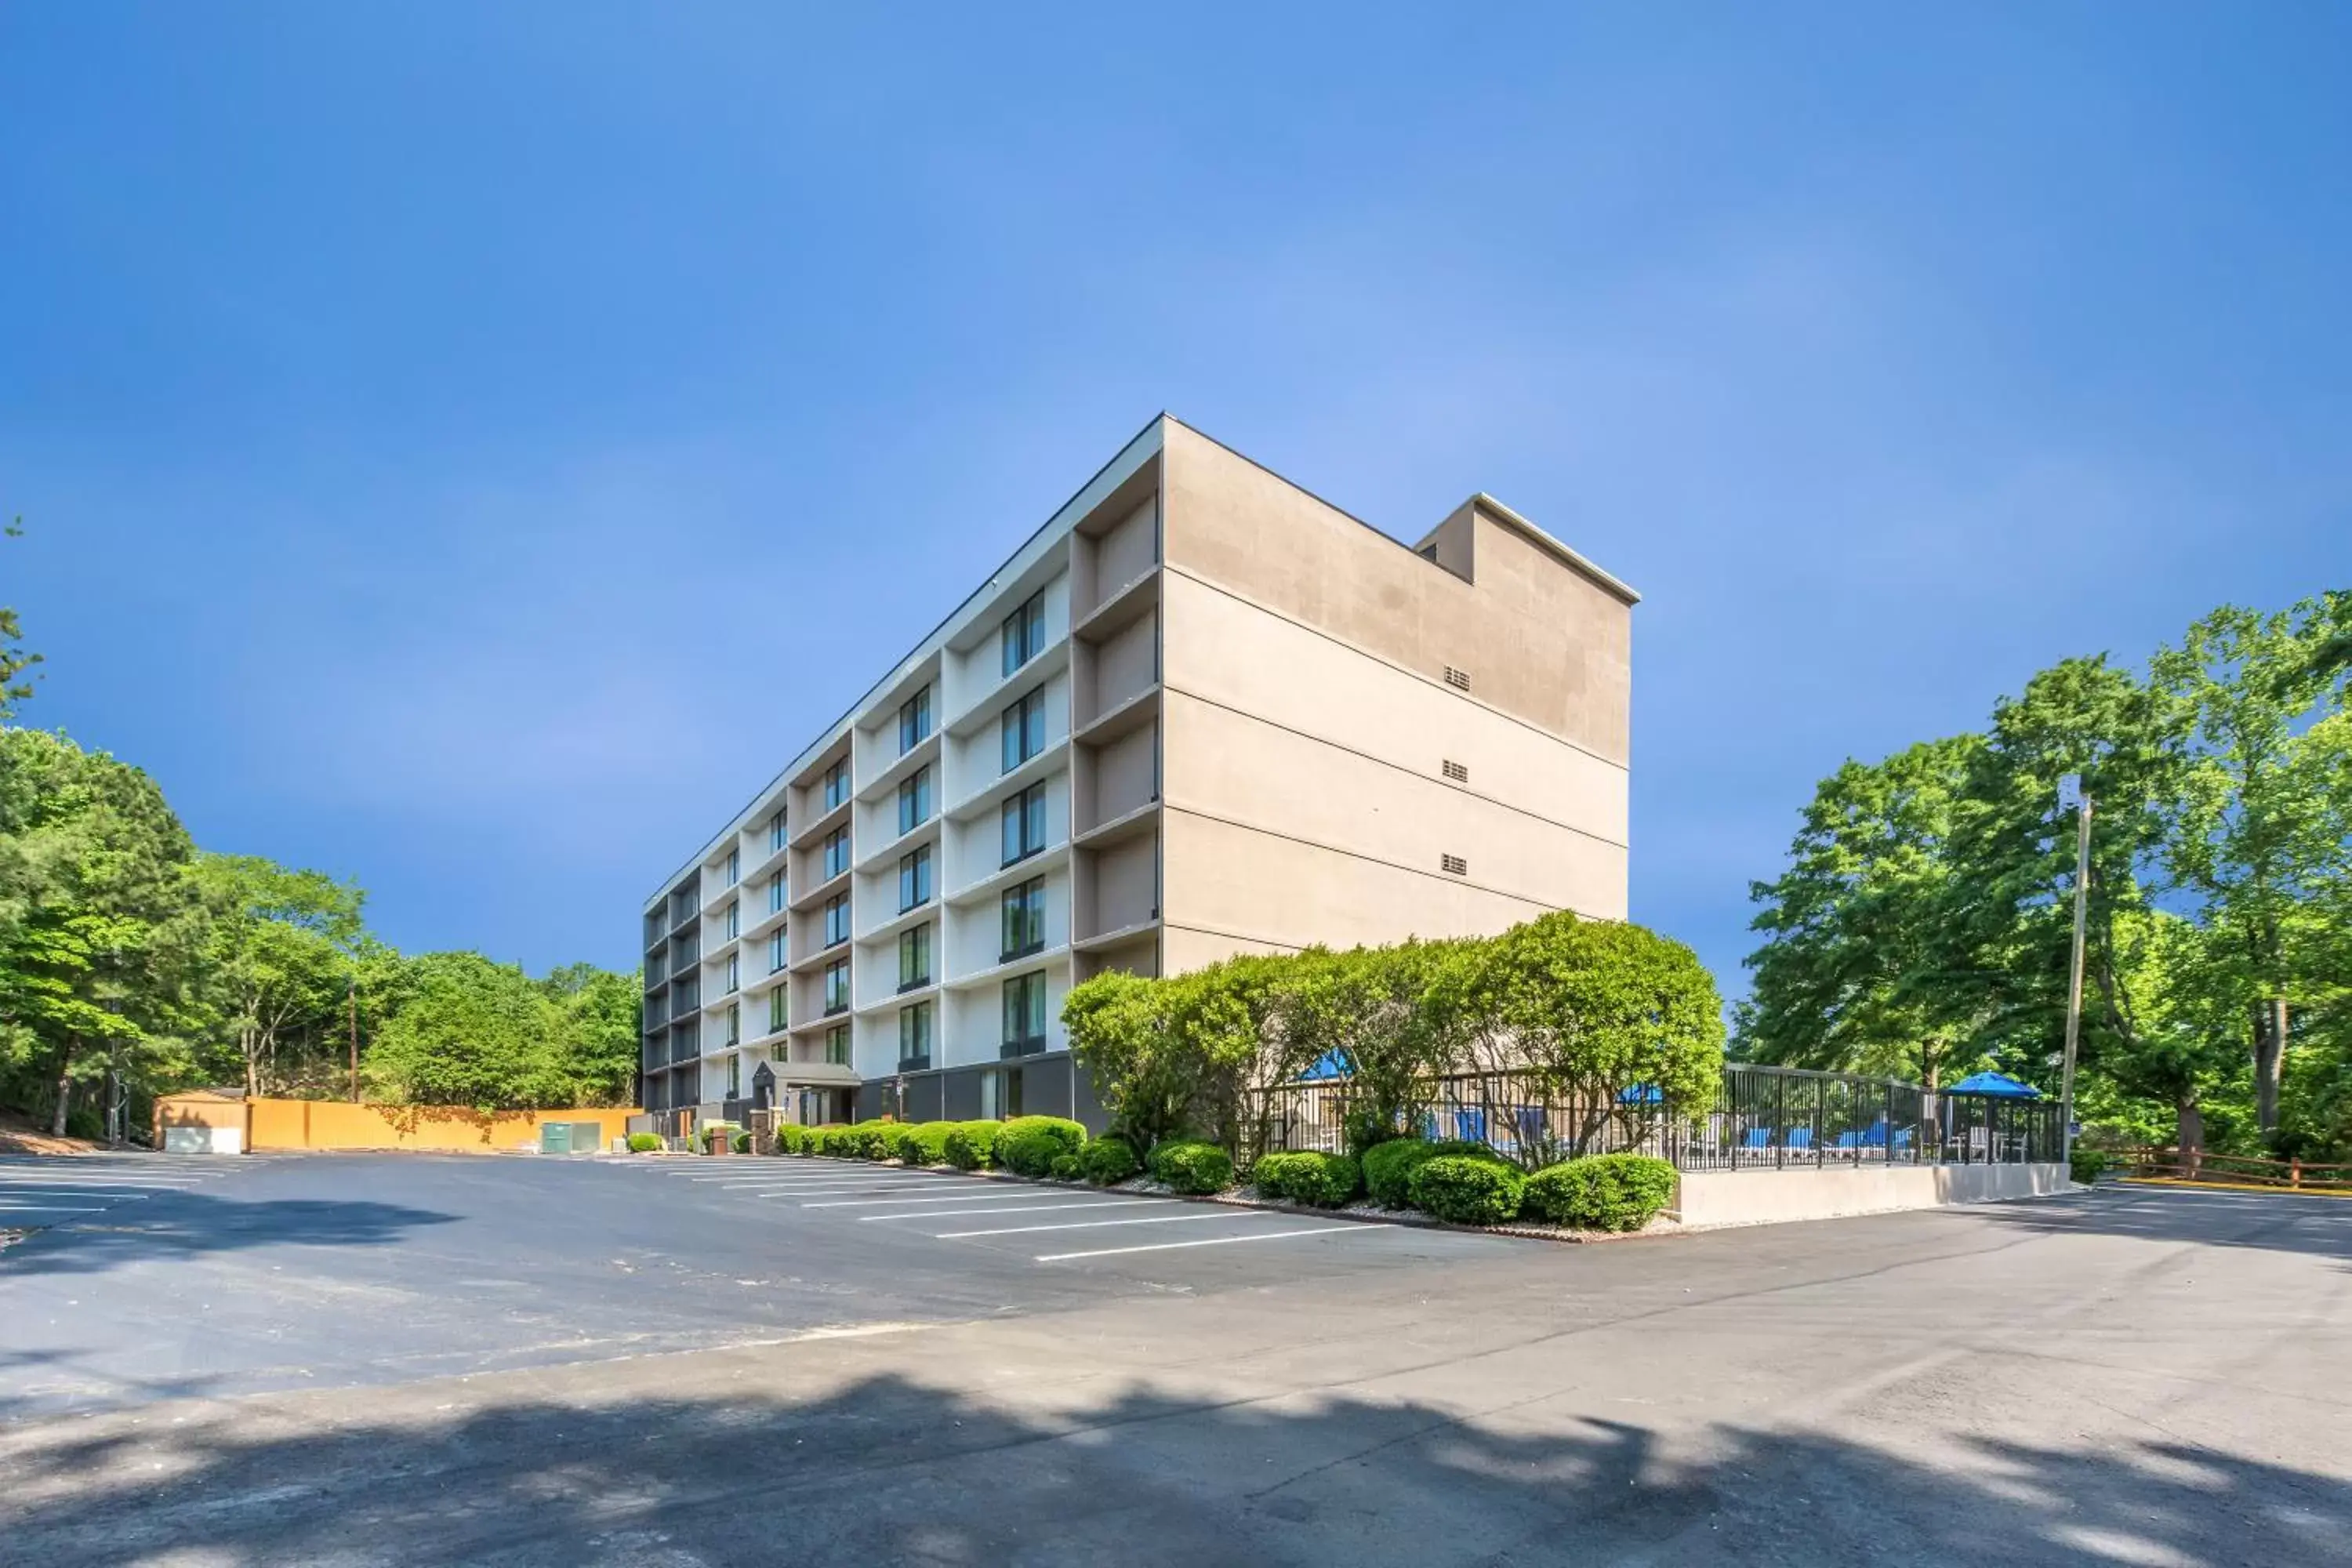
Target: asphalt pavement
x,y
429,1359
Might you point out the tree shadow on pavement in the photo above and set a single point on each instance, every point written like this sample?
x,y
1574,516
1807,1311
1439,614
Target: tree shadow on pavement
x,y
885,1471
187,1224
2279,1221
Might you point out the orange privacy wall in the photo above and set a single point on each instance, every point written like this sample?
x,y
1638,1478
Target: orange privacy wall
x,y
335,1124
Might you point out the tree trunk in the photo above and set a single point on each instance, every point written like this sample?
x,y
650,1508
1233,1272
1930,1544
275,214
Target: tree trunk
x,y
65,1085
2193,1134
2269,1061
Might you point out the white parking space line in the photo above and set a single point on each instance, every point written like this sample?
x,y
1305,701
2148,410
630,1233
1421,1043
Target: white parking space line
x,y
1098,1223
9,1192
1205,1241
869,1202
827,1191
1027,1208
51,1208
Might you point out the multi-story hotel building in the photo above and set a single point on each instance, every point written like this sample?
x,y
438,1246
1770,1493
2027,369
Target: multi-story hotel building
x,y
1199,712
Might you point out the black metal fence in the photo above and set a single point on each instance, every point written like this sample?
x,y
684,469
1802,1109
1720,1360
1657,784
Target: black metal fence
x,y
1762,1118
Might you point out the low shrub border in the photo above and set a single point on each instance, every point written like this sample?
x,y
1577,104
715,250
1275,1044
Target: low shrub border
x,y
1108,1160
643,1143
1035,1145
1195,1169
1600,1192
1320,1181
1468,1190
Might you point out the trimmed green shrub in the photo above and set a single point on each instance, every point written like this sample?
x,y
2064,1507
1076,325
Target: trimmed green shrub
x,y
1068,1167
1326,1180
1600,1192
1030,1144
1468,1190
643,1143
2086,1166
1190,1167
833,1139
1108,1160
716,1135
742,1142
1389,1167
972,1145
791,1140
924,1143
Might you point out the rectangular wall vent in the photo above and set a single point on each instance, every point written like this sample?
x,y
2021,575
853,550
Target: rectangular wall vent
x,y
1458,772
1454,864
1458,678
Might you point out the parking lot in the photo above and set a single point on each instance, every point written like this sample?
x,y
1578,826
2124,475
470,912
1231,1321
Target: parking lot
x,y
410,1359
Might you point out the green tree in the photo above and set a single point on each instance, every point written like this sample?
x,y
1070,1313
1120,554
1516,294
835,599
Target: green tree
x,y
2261,822
15,658
282,956
599,1031
466,1031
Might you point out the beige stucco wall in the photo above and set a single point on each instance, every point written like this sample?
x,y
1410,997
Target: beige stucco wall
x,y
1768,1197
1124,775
1540,641
1123,666
1126,887
1127,551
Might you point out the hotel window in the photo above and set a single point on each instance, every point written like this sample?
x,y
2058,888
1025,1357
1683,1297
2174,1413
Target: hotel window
x,y
915,878
775,833
734,1033
915,1038
1024,822
776,950
836,1045
837,987
776,1011
734,1074
837,784
734,919
1023,912
915,800
1024,729
1000,1093
914,958
734,972
837,853
734,865
836,919
1025,633
914,720
1024,1015
776,892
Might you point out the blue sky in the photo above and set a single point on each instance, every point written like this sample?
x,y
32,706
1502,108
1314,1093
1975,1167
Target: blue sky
x,y
431,420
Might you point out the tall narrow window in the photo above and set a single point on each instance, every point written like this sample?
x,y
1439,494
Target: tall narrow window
x,y
776,949
836,1045
915,958
734,1032
734,1072
836,919
1023,912
915,1038
1023,823
915,800
734,865
1024,1015
1025,633
1024,729
776,1010
914,720
776,892
734,919
837,853
837,987
734,972
915,878
837,784
775,833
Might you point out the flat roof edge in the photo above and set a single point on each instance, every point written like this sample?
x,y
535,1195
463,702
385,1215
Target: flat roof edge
x,y
1545,541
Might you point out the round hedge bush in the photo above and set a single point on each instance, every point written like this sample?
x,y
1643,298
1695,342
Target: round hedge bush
x,y
1468,1190
1600,1192
924,1143
1029,1145
1389,1167
643,1143
1067,1167
791,1140
972,1145
742,1142
1326,1180
1108,1160
1192,1167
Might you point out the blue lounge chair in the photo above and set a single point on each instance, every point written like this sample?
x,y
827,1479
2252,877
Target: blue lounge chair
x,y
1801,1137
1756,1138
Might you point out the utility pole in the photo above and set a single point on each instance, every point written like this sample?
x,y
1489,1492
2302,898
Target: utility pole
x,y
351,995
2074,976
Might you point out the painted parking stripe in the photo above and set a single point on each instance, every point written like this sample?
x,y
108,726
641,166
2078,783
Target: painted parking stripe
x,y
49,1209
868,1202
1206,1241
1098,1223
830,1192
1028,1208
8,1194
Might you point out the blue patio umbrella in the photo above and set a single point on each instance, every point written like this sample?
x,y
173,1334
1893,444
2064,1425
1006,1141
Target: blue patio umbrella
x,y
1639,1094
1995,1085
1331,1064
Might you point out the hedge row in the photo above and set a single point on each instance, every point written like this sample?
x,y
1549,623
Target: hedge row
x,y
1469,1183
1026,1145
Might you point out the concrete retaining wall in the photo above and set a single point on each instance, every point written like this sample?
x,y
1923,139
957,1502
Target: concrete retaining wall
x,y
1764,1197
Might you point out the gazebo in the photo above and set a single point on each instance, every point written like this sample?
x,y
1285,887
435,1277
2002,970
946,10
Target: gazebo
x,y
1992,1118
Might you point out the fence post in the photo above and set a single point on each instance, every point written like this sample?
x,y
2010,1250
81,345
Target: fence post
x,y
1780,1122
